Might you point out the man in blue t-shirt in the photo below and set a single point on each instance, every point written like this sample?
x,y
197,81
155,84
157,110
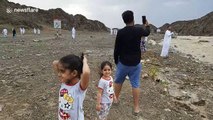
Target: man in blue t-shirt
x,y
127,56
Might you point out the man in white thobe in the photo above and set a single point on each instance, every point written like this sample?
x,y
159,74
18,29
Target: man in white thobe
x,y
21,30
35,31
38,31
111,31
73,33
166,43
4,32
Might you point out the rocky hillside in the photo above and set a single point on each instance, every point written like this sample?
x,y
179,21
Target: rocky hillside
x,y
200,26
44,18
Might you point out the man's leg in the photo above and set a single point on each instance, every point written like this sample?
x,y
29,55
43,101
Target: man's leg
x,y
120,75
135,82
136,95
117,88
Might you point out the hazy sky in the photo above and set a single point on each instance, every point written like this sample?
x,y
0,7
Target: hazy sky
x,y
109,12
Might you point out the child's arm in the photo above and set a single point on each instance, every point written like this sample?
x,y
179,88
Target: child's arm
x,y
85,74
99,94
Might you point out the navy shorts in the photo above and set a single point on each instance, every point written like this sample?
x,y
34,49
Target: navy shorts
x,y
133,72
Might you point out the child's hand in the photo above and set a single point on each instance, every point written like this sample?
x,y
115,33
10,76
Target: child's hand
x,y
84,58
98,107
55,65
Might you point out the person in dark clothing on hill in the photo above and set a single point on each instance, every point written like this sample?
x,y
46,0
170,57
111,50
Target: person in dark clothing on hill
x,y
14,32
127,56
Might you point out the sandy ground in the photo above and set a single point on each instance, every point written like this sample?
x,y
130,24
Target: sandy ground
x,y
199,47
29,87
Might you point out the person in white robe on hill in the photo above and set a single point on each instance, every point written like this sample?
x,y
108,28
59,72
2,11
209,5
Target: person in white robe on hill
x,y
166,42
73,33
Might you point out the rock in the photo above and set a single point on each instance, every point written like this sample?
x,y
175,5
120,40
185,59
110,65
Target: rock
x,y
184,105
148,60
1,107
142,61
157,80
4,81
187,39
36,40
203,56
16,84
3,57
144,76
175,46
184,92
43,98
200,103
38,54
168,110
203,116
32,74
189,55
152,42
166,70
88,52
165,90
203,41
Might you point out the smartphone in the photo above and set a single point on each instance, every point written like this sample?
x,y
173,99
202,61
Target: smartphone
x,y
144,19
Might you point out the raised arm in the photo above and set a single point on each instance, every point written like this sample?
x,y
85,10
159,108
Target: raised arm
x,y
85,74
169,33
145,30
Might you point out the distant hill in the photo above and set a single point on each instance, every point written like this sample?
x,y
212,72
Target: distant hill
x,y
152,27
201,26
45,18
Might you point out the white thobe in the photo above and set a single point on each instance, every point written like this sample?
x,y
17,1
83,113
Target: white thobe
x,y
21,31
34,31
73,33
38,31
166,43
4,32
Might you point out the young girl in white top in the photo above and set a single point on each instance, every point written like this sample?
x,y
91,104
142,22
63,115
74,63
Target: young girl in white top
x,y
105,93
74,73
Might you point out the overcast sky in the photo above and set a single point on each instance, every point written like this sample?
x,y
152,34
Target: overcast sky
x,y
109,12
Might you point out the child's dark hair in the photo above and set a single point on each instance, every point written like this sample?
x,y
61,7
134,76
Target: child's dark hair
x,y
128,16
72,62
103,64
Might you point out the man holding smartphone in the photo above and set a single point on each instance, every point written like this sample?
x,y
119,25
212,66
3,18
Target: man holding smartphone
x,y
127,56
